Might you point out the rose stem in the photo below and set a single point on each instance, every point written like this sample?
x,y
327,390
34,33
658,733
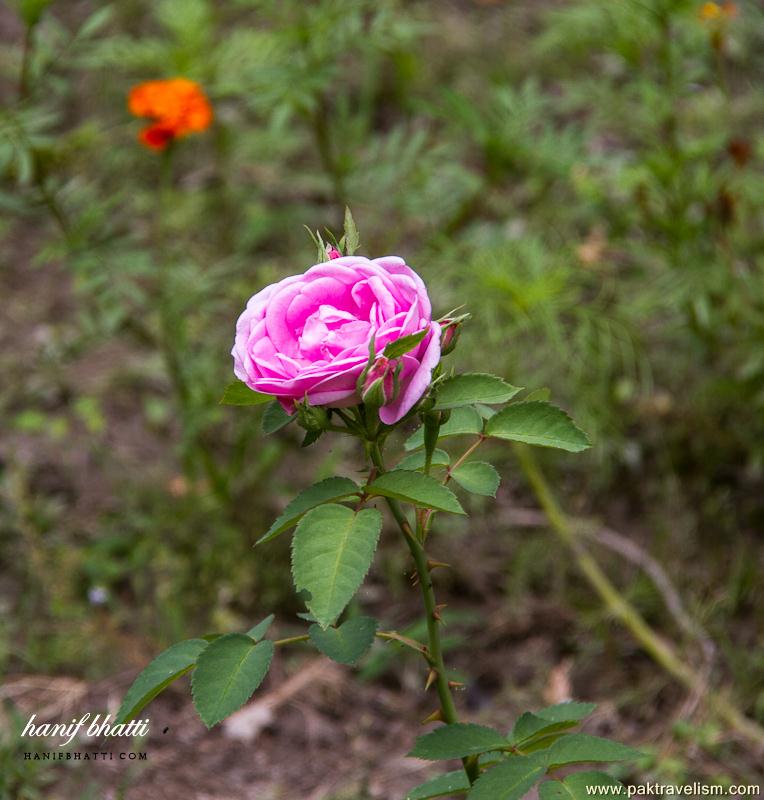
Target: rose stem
x,y
447,707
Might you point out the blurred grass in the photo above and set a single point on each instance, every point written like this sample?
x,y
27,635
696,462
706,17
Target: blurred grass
x,y
584,177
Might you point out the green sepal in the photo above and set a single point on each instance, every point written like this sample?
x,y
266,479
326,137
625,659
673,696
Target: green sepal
x,y
399,347
318,243
351,239
311,437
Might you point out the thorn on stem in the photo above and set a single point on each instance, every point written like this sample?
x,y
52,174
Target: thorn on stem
x,y
432,676
436,716
407,530
436,613
431,565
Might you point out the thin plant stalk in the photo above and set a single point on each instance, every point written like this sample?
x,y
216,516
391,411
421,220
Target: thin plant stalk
x,y
658,649
169,330
26,58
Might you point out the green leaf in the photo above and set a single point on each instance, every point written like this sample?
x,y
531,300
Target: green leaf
x,y
332,551
462,421
569,711
404,345
457,741
352,237
579,748
579,787
455,782
95,22
527,725
538,394
545,739
440,458
325,491
478,477
347,643
549,720
227,673
509,780
275,418
158,675
414,487
239,394
491,757
532,729
258,631
473,387
540,423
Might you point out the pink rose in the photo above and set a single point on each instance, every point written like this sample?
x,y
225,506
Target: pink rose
x,y
308,335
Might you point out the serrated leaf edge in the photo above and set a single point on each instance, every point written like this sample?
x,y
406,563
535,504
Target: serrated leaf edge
x,y
263,642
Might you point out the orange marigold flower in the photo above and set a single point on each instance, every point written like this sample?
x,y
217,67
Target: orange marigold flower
x,y
177,106
714,11
710,11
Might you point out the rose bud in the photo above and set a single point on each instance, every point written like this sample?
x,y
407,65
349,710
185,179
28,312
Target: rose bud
x,y
452,329
311,418
380,385
332,253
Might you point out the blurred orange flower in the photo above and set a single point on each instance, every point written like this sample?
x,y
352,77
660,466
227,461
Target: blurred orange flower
x,y
714,11
177,106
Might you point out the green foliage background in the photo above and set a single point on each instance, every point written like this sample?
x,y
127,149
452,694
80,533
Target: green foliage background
x,y
584,177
